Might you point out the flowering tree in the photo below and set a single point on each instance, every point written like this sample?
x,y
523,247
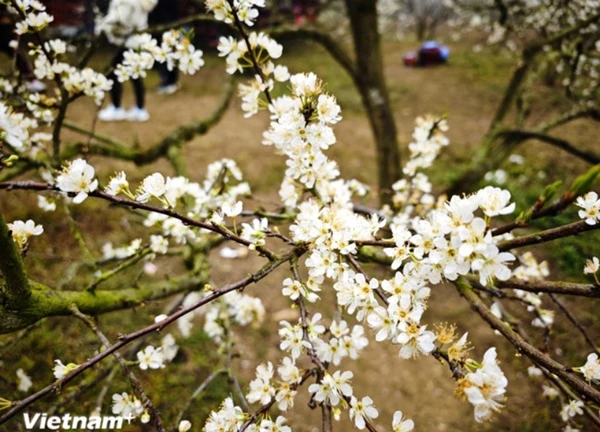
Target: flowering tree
x,y
321,239
552,45
422,17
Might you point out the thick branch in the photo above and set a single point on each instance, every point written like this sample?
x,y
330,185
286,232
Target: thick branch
x,y
176,138
548,235
567,288
15,291
46,302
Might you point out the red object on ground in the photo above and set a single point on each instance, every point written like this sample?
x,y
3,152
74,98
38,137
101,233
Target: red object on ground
x,y
410,58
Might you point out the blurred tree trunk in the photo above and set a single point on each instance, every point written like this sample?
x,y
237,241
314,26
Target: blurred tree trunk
x,y
370,80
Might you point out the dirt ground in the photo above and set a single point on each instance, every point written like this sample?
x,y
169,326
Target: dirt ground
x,y
422,389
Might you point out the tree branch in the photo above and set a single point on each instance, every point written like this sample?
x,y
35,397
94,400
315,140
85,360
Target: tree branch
x,y
135,382
125,340
16,290
547,235
176,138
523,135
566,288
586,391
124,202
46,302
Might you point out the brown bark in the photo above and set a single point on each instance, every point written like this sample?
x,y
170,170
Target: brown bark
x,y
370,81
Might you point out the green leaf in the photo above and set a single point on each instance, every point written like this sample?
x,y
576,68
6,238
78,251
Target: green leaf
x,y
584,183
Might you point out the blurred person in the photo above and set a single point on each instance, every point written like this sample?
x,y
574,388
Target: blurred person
x,y
123,18
165,12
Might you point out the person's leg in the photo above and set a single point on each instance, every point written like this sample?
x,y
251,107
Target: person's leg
x,y
164,74
114,112
139,89
116,92
138,113
173,76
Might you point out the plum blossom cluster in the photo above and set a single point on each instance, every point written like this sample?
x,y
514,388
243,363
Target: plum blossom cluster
x,y
15,131
245,10
530,271
449,241
259,50
175,50
485,387
232,308
33,14
412,194
221,189
48,66
429,138
301,129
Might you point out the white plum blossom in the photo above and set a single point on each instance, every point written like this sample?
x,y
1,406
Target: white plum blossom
x,y
228,418
13,128
153,186
362,411
254,233
573,408
590,208
494,201
24,381
21,231
492,264
591,266
591,369
60,370
168,347
550,392
46,204
534,372
118,184
159,244
261,389
485,387
151,358
126,405
77,178
332,387
184,426
268,425
402,424
414,339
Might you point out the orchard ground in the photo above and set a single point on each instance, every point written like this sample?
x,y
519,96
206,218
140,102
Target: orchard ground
x,y
468,90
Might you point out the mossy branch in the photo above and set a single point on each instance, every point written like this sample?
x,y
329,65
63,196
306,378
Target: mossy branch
x,y
46,302
175,139
15,290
